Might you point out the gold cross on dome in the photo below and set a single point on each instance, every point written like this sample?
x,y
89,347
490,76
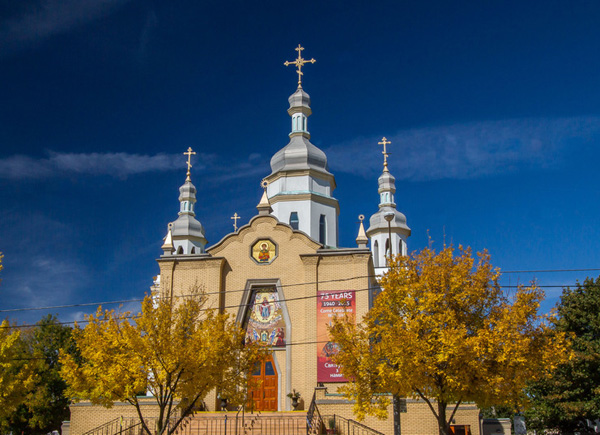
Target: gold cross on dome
x,y
299,62
235,218
189,160
384,142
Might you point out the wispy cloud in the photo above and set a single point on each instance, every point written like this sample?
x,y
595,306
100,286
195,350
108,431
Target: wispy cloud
x,y
111,164
40,277
467,151
150,25
44,18
253,166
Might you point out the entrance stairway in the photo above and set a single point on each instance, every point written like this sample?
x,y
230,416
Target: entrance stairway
x,y
231,423
219,423
234,423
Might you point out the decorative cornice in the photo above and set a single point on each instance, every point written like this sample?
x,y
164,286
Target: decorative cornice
x,y
302,172
284,197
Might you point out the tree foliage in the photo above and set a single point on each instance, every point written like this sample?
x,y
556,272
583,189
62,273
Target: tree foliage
x,y
177,351
442,330
46,406
16,376
572,394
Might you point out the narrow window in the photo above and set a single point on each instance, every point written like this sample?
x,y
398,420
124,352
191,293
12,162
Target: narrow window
x,y
294,220
322,230
376,253
387,251
193,251
180,250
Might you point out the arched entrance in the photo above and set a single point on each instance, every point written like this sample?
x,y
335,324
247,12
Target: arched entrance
x,y
263,396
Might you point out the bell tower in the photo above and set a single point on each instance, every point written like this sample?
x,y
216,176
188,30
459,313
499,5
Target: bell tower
x,y
186,234
387,227
300,185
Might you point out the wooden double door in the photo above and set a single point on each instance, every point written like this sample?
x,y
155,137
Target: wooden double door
x,y
263,394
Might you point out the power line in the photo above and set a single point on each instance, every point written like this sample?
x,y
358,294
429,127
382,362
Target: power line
x,y
298,343
550,270
87,304
249,304
207,293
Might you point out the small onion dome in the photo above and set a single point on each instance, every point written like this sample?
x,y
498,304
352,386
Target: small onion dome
x,y
378,222
299,102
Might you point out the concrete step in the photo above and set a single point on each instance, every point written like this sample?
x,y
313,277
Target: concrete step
x,y
231,423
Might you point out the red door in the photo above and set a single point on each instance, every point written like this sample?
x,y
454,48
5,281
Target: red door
x,y
264,394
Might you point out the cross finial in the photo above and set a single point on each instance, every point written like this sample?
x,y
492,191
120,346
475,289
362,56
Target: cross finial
x,y
189,162
235,218
384,142
299,62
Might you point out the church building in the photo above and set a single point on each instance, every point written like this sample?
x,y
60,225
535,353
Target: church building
x,y
283,276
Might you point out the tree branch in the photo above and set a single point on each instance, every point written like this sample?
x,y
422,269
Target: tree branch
x,y
454,411
133,401
428,402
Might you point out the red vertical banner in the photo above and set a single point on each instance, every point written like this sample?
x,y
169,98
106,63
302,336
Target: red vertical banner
x,y
331,304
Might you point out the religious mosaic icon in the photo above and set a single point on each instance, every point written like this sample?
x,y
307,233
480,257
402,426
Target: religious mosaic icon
x,y
266,325
264,251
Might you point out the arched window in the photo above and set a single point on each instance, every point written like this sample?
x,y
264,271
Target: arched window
x,y
322,229
193,251
294,222
180,250
400,247
387,250
376,254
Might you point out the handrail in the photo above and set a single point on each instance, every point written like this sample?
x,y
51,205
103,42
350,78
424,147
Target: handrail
x,y
314,421
211,425
111,427
347,426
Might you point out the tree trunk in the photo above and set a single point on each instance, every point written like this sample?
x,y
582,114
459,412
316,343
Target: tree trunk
x,y
396,403
443,426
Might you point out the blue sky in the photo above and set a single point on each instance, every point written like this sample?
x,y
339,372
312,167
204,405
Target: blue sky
x,y
493,109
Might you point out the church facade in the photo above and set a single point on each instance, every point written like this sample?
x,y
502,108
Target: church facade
x,y
283,277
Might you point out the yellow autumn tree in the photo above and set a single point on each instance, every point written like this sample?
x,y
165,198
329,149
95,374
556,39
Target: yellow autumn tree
x,y
16,376
442,330
177,351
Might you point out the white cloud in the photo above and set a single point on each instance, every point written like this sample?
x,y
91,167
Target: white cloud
x,y
112,164
253,166
45,18
467,151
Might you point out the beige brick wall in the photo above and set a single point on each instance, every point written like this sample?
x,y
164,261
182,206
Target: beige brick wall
x,y
85,416
416,420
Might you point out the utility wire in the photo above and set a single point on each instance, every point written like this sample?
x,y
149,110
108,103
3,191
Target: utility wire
x,y
298,343
549,270
87,304
249,304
